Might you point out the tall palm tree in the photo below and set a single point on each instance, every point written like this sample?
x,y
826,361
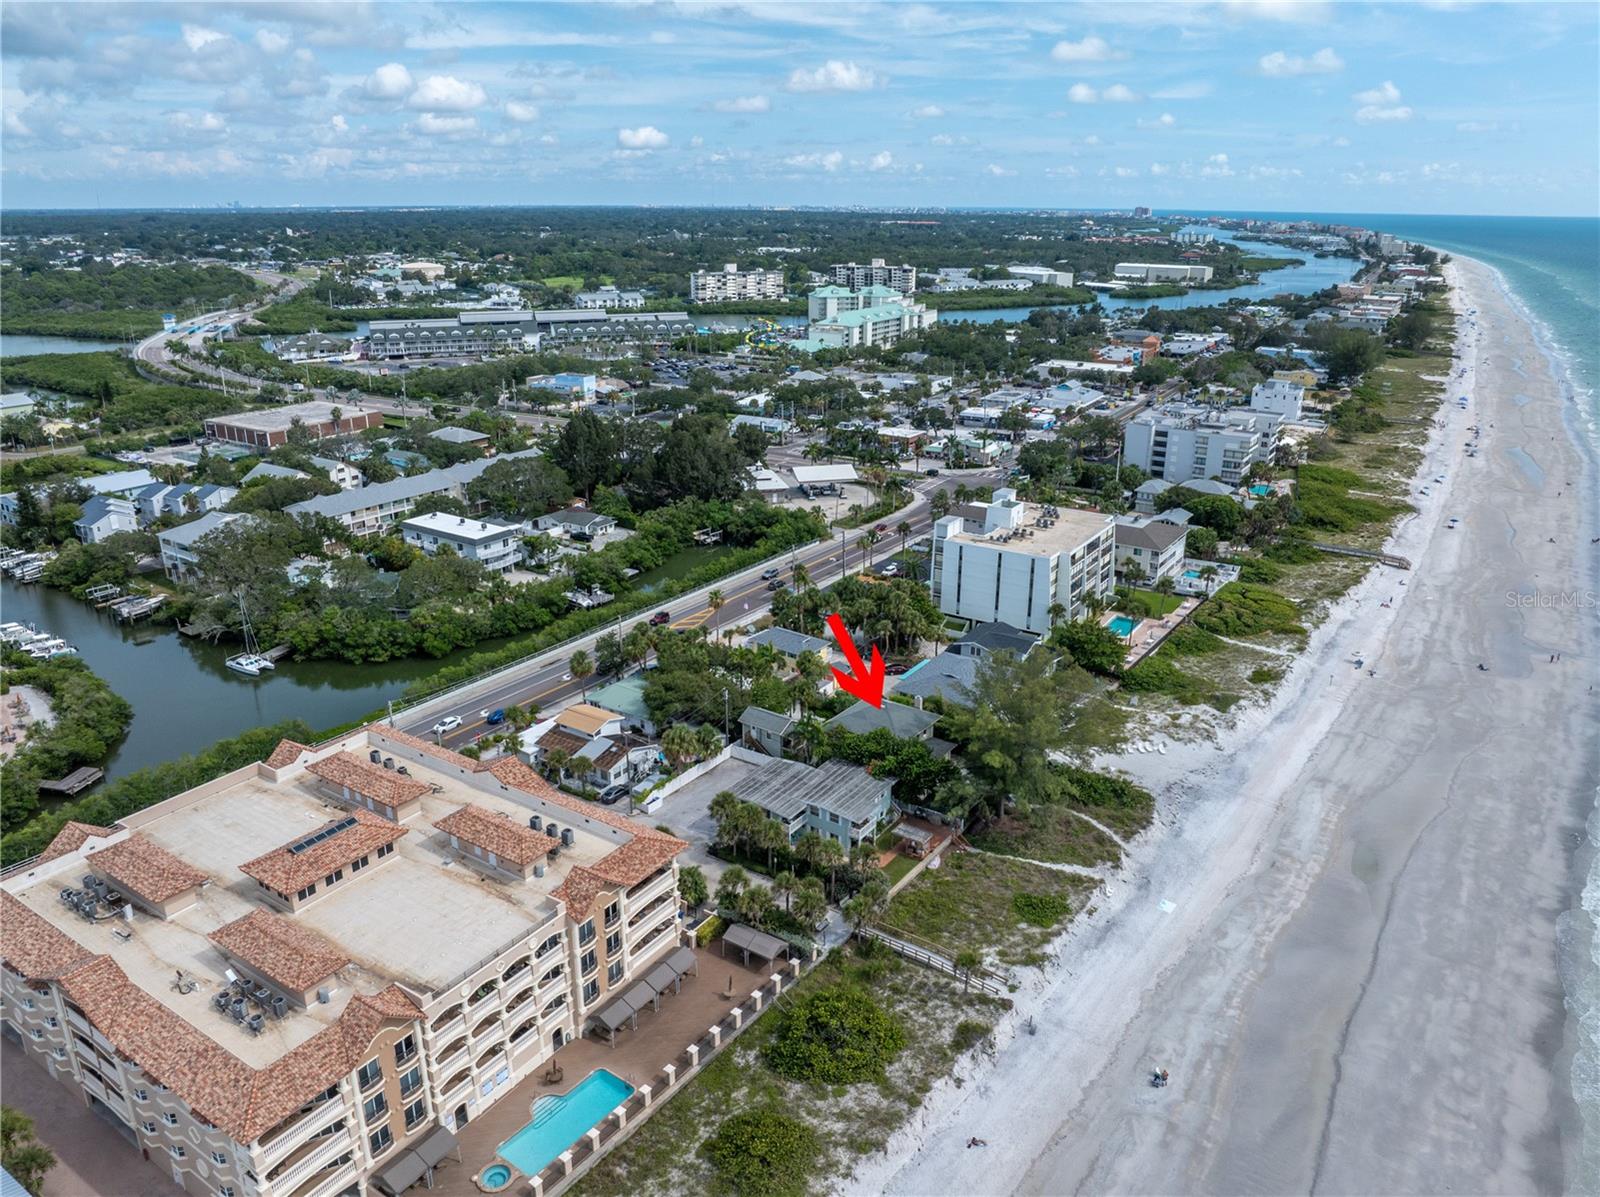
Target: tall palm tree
x,y
715,600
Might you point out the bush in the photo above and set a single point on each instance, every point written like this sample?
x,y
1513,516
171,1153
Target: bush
x,y
836,1036
1042,910
763,1153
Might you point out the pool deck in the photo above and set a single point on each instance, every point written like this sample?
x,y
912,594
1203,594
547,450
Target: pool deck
x,y
638,1056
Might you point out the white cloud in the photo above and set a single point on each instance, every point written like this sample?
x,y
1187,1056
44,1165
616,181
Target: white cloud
x,y
1280,65
1082,93
446,93
927,112
435,125
197,36
998,171
1119,93
833,75
1090,49
882,160
645,137
521,113
1381,105
743,104
388,82
271,43
831,161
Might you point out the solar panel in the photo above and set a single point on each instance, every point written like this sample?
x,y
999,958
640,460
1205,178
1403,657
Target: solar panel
x,y
332,829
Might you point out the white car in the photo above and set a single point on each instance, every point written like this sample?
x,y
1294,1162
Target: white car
x,y
448,723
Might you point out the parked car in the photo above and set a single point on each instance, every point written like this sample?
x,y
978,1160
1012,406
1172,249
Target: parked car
x,y
659,618
448,723
498,715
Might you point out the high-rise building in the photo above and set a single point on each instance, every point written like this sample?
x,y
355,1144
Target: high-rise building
x,y
300,978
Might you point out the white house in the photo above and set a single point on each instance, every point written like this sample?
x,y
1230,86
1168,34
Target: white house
x,y
1023,561
495,546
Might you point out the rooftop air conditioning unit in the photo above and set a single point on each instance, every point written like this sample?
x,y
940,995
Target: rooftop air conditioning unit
x,y
566,837
388,762
375,756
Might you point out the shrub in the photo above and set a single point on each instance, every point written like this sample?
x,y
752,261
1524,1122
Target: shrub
x,y
1042,910
763,1153
835,1036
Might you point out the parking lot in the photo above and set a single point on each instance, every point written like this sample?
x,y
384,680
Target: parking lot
x,y
688,813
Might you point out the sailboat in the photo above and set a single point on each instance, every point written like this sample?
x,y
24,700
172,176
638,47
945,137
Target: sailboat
x,y
250,662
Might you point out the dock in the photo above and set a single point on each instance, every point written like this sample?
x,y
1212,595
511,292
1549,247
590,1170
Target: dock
x,y
74,782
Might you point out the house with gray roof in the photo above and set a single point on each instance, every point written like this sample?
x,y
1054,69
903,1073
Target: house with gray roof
x,y
906,722
837,801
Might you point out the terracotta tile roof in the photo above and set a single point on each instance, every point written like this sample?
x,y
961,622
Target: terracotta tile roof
x,y
579,891
280,949
242,1101
497,833
71,837
286,753
140,864
365,778
287,871
33,946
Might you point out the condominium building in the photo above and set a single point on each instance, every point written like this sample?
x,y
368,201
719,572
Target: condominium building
x,y
1162,272
494,545
270,428
876,273
370,509
1180,443
301,978
731,283
1025,564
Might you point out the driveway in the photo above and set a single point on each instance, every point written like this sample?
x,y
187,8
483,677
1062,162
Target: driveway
x,y
688,813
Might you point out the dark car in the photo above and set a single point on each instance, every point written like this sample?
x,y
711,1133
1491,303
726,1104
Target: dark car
x,y
659,618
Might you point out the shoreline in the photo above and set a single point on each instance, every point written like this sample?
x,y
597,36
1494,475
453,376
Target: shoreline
x,y
1196,957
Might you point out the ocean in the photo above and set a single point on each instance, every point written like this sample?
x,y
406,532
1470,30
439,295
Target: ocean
x,y
1551,265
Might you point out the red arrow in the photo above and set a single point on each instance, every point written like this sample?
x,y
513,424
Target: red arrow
x,y
866,684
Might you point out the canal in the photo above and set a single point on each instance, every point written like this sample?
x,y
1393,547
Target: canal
x,y
185,699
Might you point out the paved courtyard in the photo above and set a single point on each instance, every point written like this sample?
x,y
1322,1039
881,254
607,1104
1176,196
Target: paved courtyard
x,y
688,813
638,1056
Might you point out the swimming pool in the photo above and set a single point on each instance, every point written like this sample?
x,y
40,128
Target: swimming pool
x,y
1123,625
559,1122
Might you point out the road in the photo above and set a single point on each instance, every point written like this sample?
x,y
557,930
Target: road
x,y
544,680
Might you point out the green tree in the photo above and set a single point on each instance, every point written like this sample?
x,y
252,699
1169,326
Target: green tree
x,y
23,1155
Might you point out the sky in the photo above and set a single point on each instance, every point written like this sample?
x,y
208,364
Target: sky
x,y
1426,107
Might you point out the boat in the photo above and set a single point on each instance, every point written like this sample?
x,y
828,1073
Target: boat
x,y
250,662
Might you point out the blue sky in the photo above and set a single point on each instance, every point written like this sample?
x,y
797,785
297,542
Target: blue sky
x,y
1414,107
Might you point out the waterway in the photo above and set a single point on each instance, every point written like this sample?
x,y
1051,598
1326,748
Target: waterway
x,y
18,345
185,698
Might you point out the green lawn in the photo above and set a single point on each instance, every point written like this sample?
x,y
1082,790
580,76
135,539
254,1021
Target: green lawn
x,y
968,903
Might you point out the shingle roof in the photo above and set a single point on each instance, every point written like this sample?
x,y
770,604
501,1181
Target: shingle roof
x,y
280,949
286,870
140,864
497,833
369,780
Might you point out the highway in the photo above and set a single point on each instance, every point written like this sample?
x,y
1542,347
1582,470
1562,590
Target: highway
x,y
746,598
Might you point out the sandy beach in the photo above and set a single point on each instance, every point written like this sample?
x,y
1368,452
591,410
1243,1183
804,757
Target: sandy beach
x,y
1341,936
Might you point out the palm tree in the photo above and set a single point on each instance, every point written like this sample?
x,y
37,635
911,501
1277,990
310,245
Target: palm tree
x,y
582,666
714,600
967,962
784,886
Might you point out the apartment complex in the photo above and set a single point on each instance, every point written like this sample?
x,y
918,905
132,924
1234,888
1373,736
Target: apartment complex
x,y
1179,443
1023,565
370,509
270,428
1158,272
876,273
841,318
495,546
299,979
730,283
